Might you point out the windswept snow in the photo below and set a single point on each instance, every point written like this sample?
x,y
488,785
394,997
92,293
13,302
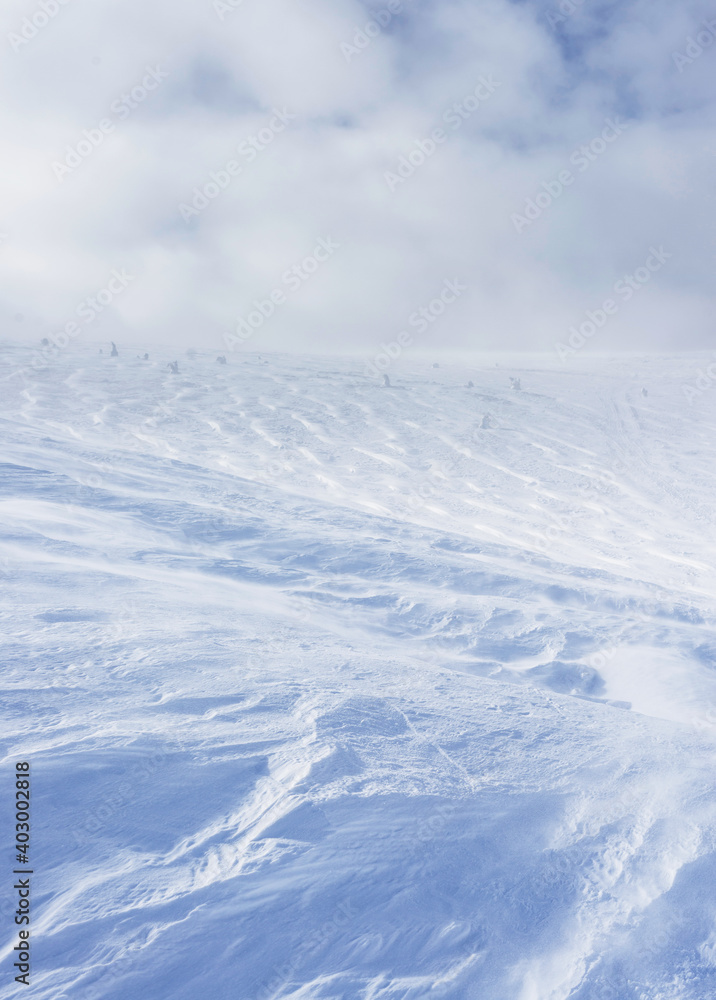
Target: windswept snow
x,y
332,693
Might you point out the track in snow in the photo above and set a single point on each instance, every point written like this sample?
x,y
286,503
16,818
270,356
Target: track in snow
x,y
331,692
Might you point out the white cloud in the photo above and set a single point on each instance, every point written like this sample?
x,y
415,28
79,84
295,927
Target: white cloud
x,y
324,174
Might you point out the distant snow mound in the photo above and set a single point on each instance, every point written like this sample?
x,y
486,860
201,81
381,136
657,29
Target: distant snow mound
x,y
569,678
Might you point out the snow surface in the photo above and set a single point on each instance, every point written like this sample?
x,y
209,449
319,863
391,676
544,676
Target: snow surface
x,y
331,693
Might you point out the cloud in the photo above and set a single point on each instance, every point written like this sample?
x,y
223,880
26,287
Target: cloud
x,y
365,86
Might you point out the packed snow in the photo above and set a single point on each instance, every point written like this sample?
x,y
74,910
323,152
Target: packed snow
x,y
339,690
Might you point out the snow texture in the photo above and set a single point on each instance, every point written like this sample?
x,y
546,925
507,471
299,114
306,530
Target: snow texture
x,y
334,690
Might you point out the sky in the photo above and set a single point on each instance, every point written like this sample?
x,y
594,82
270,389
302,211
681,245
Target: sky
x,y
329,176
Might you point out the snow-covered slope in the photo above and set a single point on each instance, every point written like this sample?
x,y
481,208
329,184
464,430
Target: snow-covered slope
x,y
331,692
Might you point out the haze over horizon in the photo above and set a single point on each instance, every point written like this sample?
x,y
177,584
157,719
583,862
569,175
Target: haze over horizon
x,y
547,158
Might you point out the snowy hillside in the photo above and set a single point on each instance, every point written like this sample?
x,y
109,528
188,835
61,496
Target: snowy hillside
x,y
332,693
